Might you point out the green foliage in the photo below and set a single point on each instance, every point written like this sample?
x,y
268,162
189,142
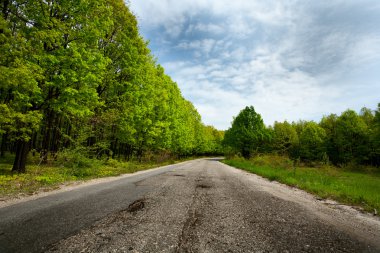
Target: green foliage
x,y
328,123
351,137
347,140
210,141
312,142
247,133
285,139
76,159
375,137
77,75
278,161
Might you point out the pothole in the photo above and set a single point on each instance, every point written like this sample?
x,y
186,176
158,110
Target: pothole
x,y
178,175
136,206
203,186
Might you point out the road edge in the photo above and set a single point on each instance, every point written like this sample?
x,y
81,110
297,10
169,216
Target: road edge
x,y
73,185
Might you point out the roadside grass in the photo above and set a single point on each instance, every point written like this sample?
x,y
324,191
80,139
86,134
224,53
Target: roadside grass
x,y
356,188
50,176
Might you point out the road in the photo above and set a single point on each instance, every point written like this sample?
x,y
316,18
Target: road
x,y
197,206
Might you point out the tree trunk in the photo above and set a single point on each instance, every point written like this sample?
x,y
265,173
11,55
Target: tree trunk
x,y
22,150
4,141
114,145
140,153
46,140
246,153
128,152
5,11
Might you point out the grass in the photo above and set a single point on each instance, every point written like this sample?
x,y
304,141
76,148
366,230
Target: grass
x,y
350,187
65,171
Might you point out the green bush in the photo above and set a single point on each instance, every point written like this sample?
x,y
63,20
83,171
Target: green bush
x,y
75,163
274,160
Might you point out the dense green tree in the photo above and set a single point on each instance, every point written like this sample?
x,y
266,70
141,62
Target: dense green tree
x,y
329,124
77,75
66,35
351,138
375,138
299,126
285,139
209,140
367,116
19,78
312,142
247,133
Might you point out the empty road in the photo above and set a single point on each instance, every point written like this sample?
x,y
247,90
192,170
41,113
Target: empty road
x,y
196,206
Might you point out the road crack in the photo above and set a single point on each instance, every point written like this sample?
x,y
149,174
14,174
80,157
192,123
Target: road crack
x,y
188,239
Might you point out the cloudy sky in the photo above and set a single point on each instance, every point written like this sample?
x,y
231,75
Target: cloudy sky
x,y
290,59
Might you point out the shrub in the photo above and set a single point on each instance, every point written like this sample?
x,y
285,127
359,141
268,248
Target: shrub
x,y
273,160
77,164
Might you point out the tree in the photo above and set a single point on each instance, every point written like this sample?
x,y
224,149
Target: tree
x,y
66,35
312,142
329,124
352,138
375,138
210,140
247,133
19,90
78,75
51,69
285,138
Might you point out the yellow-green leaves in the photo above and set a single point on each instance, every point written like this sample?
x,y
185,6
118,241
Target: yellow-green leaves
x,y
77,74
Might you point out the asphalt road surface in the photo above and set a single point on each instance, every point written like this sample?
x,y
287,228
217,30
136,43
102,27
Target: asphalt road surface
x,y
197,206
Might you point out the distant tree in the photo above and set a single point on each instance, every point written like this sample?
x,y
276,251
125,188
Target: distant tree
x,y
299,126
369,146
352,138
328,123
367,116
210,141
247,133
375,138
312,142
285,138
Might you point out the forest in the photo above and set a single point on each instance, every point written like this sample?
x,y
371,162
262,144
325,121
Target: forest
x,y
76,76
350,139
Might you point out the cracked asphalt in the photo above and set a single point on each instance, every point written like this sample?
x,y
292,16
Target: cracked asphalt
x,y
198,206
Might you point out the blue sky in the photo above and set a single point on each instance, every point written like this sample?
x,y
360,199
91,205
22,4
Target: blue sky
x,y
291,59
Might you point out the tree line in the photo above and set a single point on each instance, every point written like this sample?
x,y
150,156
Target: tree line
x,y
77,75
350,138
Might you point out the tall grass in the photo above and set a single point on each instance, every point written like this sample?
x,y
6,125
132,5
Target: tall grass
x,y
350,187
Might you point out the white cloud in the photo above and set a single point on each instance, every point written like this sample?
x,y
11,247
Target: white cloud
x,y
364,50
205,46
166,11
209,28
290,59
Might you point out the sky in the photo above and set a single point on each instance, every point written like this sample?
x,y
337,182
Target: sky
x,y
290,59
